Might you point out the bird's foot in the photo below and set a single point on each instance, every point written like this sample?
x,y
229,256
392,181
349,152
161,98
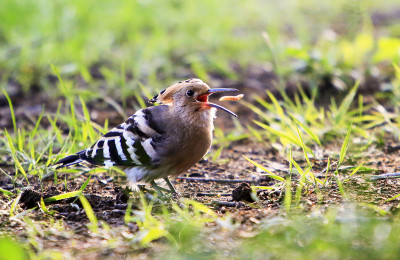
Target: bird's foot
x,y
171,187
165,194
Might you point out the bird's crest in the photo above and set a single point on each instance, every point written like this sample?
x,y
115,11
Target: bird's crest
x,y
165,96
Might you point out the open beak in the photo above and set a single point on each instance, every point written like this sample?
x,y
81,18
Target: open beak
x,y
204,98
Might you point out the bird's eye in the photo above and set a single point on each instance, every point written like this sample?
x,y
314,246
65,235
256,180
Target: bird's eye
x,y
190,93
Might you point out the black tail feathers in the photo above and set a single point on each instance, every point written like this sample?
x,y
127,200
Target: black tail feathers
x,y
69,160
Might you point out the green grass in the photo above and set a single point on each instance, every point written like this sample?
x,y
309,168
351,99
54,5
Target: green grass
x,y
184,230
155,42
339,233
106,54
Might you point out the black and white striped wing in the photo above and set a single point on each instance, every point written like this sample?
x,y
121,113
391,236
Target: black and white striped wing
x,y
128,144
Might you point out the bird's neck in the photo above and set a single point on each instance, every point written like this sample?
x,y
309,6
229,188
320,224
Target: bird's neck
x,y
196,116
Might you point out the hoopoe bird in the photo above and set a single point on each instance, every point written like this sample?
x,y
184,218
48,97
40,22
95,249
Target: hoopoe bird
x,y
159,141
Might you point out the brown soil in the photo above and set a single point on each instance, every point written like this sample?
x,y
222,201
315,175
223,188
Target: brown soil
x,y
207,182
219,184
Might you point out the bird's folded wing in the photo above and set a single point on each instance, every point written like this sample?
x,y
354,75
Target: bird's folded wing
x,y
130,143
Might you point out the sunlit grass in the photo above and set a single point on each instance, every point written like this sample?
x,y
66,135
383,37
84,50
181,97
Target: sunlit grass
x,y
102,52
287,118
131,42
33,150
185,226
340,233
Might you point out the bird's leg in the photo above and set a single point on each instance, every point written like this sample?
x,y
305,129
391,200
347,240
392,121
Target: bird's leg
x,y
157,188
171,187
126,191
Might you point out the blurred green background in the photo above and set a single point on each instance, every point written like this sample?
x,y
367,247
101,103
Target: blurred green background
x,y
87,60
159,42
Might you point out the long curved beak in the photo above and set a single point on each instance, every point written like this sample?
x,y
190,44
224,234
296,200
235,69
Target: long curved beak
x,y
215,90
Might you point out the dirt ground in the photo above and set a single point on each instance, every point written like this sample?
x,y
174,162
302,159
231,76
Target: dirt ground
x,y
219,184
226,180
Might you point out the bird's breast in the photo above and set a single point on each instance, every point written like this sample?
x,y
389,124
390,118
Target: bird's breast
x,y
184,146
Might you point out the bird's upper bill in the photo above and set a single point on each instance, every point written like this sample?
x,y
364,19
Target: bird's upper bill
x,y
204,98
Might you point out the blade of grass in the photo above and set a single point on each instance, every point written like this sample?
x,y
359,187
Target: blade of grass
x,y
263,187
307,129
217,154
327,170
392,198
34,131
303,147
6,192
287,201
43,206
14,204
354,172
344,148
14,155
376,208
128,212
269,173
293,140
89,213
91,133
82,188
345,105
11,110
57,131
63,196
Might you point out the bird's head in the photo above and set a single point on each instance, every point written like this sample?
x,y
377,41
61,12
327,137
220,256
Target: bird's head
x,y
191,94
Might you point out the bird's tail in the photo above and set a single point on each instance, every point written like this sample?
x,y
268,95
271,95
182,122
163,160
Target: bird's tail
x,y
69,160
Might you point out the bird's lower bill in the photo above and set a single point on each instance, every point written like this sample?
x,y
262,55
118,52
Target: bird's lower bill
x,y
219,107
